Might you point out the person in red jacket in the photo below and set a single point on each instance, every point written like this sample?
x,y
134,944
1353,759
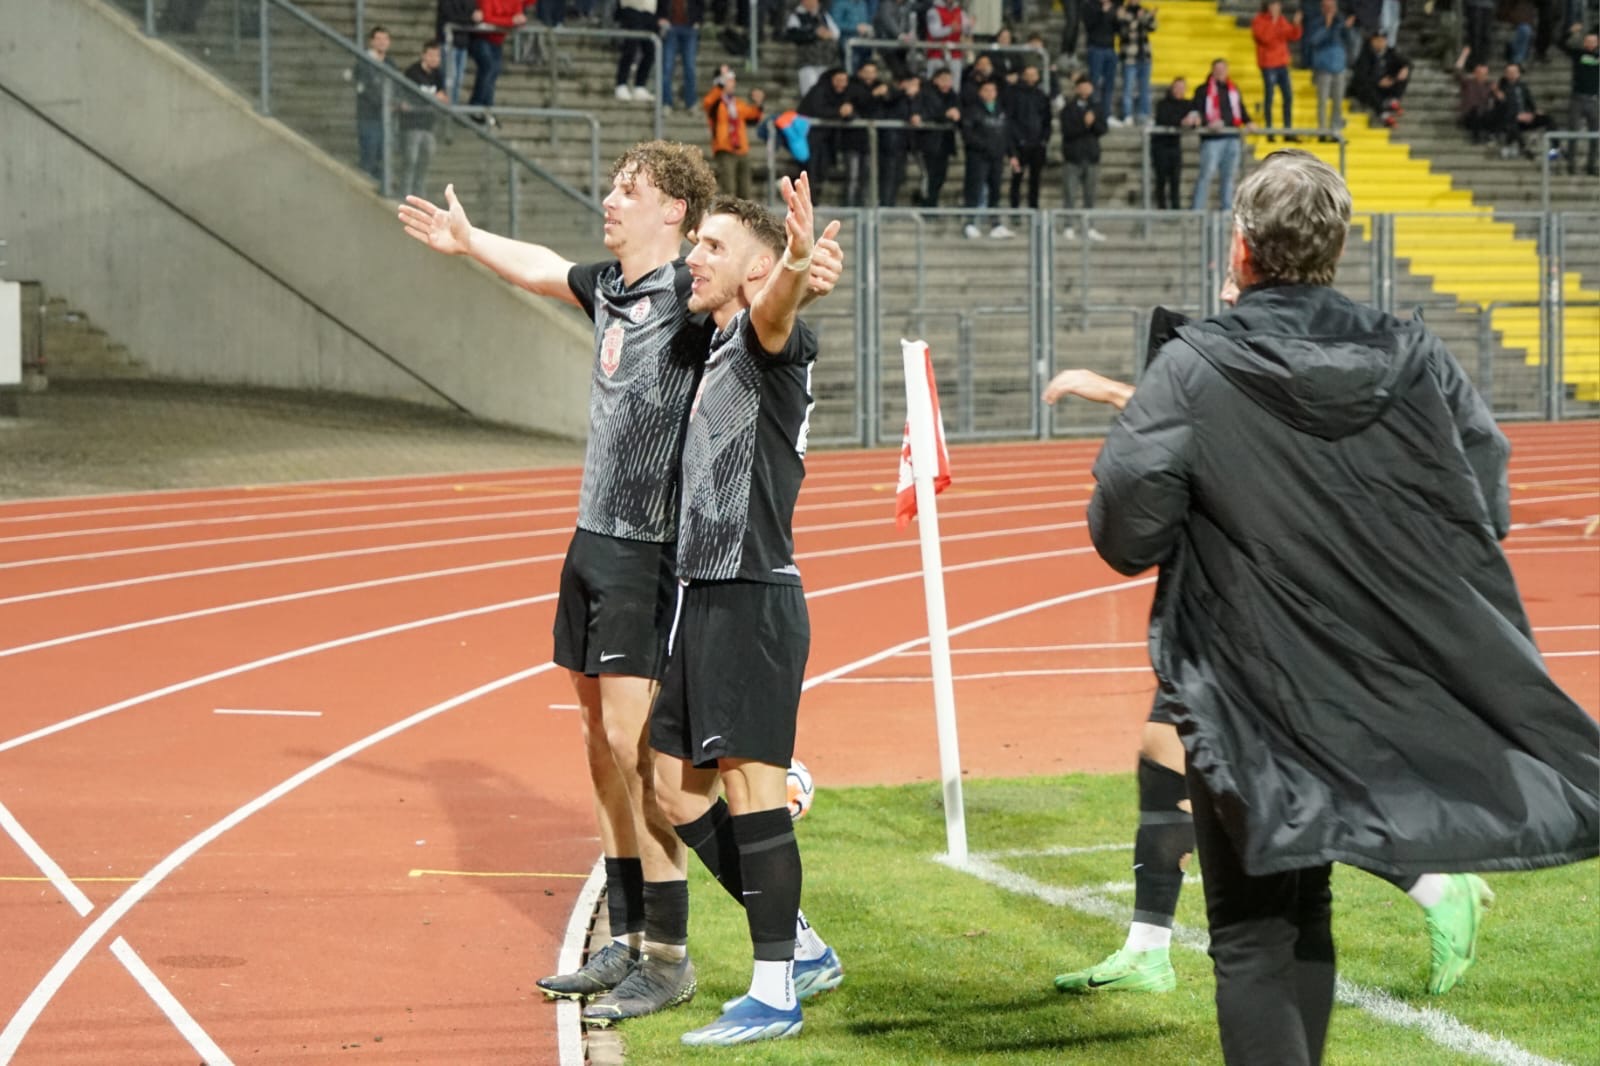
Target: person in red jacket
x,y
487,49
1273,34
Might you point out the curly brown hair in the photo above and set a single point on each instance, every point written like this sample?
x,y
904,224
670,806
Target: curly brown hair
x,y
765,226
680,171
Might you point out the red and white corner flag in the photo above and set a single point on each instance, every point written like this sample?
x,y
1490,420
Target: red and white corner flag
x,y
905,491
924,470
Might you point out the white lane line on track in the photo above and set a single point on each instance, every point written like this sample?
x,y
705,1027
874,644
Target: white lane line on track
x,y
17,1028
993,675
256,538
40,858
1434,1025
284,516
1032,649
1589,653
266,601
1554,499
1563,629
210,1054
246,711
256,664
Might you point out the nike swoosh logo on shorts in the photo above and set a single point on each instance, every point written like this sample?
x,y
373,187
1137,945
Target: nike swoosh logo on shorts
x,y
706,743
605,658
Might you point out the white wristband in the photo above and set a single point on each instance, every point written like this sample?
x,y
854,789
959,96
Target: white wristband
x,y
796,265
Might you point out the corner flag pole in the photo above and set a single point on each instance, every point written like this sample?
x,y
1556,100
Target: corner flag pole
x,y
925,464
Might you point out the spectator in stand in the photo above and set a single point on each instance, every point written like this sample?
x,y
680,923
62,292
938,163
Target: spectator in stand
x,y
940,108
1521,14
369,103
1330,63
1369,15
1008,65
1028,107
1477,106
454,13
947,23
854,19
1175,111
417,119
867,96
830,100
1100,31
1380,78
1083,123
986,137
979,74
1041,56
1389,20
1273,34
1071,23
1221,108
488,49
730,119
1518,114
1478,16
892,22
1135,24
816,37
636,57
1583,109
679,22
895,144
551,12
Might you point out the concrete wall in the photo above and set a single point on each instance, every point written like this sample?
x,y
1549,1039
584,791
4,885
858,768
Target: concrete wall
x,y
219,246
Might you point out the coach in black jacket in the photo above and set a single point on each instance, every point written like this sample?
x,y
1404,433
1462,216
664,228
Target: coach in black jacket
x,y
1335,620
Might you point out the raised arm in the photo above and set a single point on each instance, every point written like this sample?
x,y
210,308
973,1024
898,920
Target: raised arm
x,y
773,311
447,230
827,264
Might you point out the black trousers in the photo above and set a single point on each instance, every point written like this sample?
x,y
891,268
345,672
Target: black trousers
x,y
1271,949
1167,163
935,166
1031,158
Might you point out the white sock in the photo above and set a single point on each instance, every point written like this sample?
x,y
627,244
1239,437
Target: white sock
x,y
808,946
1429,889
1142,936
773,983
631,941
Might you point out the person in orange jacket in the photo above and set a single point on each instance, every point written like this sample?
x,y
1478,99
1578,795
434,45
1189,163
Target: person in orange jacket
x,y
730,118
1273,34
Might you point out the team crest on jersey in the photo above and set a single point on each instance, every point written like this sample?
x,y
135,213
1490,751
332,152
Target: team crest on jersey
x,y
640,311
611,350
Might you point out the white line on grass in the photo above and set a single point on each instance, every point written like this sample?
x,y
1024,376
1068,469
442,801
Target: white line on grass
x,y
1434,1025
256,664
267,601
17,1028
204,1046
569,1028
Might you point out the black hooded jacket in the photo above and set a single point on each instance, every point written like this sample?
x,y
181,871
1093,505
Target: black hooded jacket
x,y
1336,626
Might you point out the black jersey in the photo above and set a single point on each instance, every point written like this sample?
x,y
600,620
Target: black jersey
x,y
744,458
648,351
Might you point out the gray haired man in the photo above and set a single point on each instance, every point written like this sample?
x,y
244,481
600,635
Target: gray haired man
x,y
1336,630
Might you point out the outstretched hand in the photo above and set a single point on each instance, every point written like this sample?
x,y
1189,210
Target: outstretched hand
x,y
799,223
443,230
1088,385
827,263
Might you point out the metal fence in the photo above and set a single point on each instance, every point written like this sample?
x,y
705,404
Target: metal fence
x,y
1004,315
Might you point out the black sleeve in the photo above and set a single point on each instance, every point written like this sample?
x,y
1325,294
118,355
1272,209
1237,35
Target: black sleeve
x,y
582,279
798,350
1141,496
1487,450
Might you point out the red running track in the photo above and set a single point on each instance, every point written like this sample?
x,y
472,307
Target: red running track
x,y
174,879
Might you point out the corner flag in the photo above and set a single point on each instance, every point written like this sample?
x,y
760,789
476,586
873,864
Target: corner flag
x,y
905,492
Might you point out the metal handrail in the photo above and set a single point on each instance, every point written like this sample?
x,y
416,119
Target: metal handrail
x,y
1545,137
520,33
1146,132
555,114
871,125
918,45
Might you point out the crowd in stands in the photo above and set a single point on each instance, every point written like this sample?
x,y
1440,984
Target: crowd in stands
x,y
931,89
